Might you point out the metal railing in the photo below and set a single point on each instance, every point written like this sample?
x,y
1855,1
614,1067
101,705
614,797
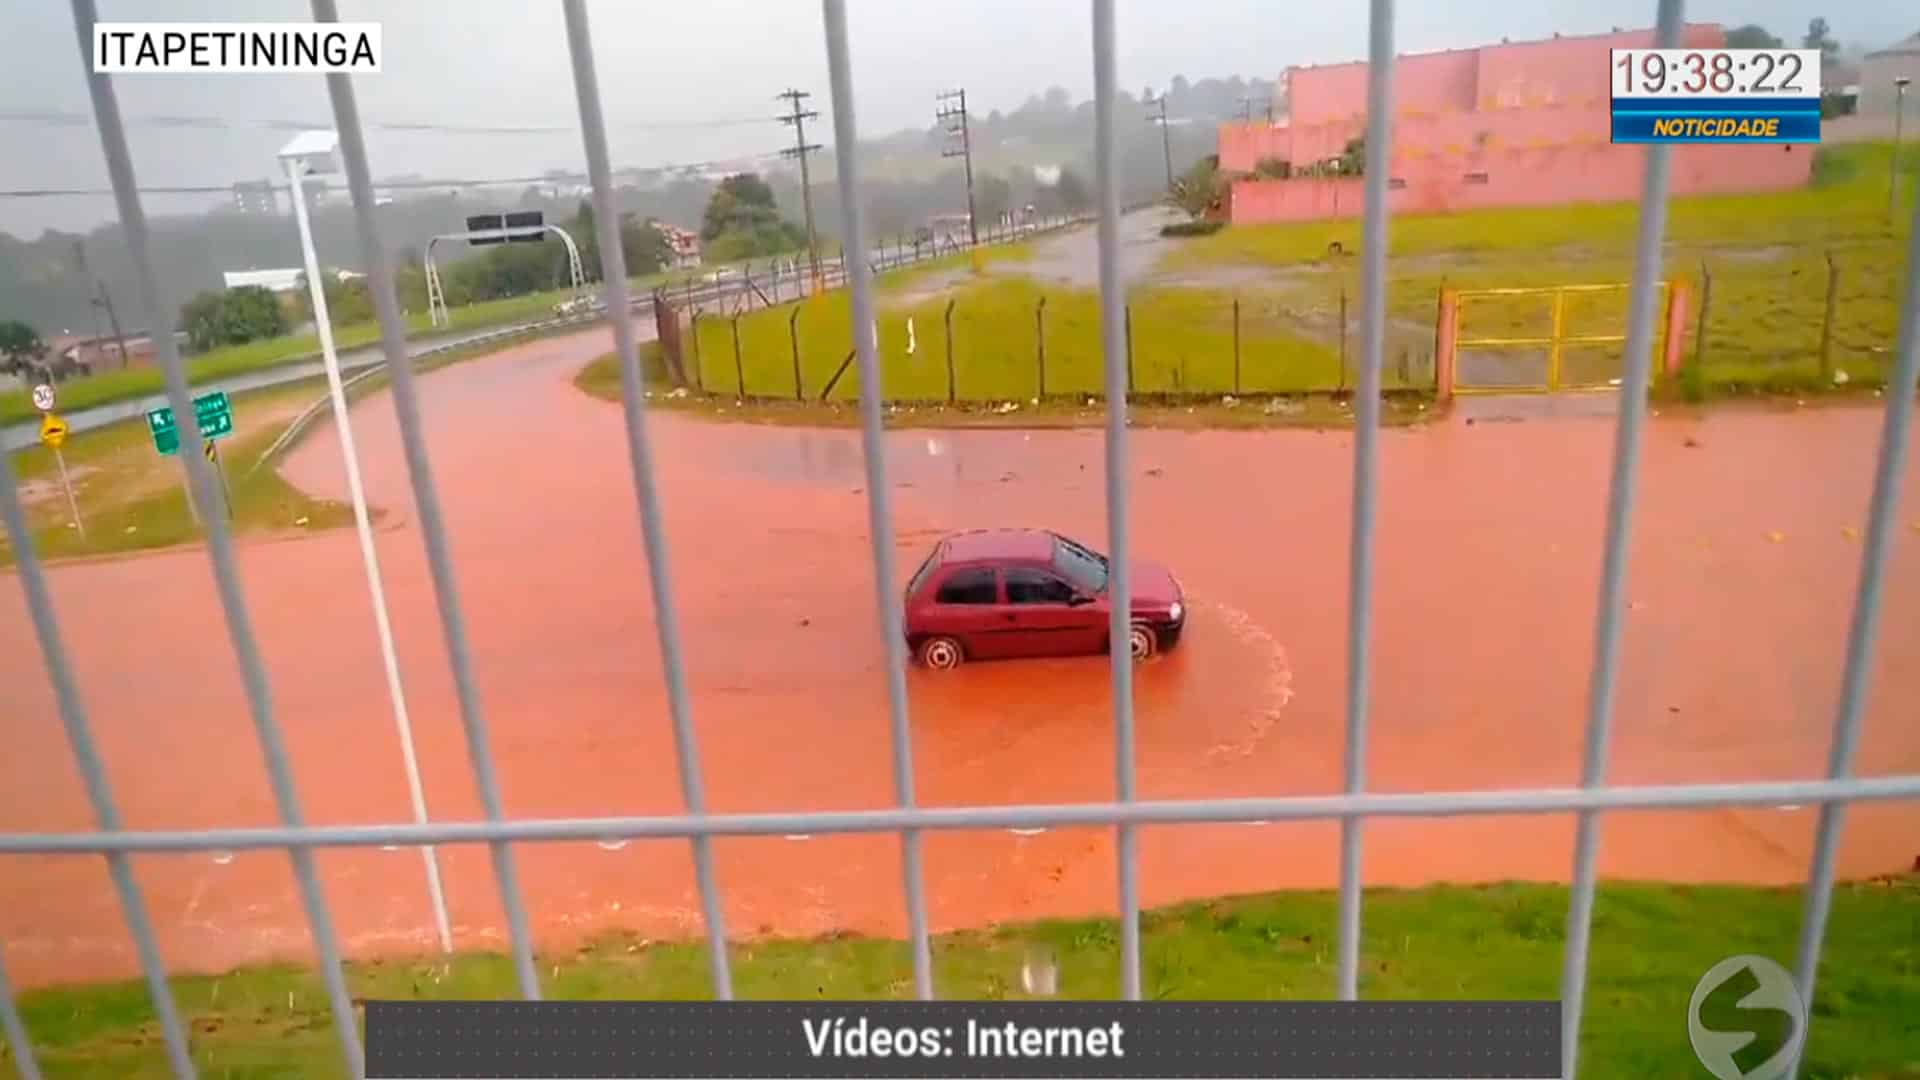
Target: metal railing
x,y
1124,813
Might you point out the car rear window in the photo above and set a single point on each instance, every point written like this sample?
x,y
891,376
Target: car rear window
x,y
926,567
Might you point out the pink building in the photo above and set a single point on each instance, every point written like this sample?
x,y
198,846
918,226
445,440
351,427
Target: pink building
x,y
1524,124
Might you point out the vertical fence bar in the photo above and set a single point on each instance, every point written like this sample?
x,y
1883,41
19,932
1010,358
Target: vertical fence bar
x,y
879,516
1865,628
1641,301
226,570
793,339
86,755
593,130
16,1030
426,496
1114,341
1236,343
1040,345
1366,467
1826,321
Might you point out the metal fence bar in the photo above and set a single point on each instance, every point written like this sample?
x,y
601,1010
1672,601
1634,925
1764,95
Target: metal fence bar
x,y
1366,469
1641,301
1113,347
15,1030
593,130
1865,628
93,773
226,571
1498,801
406,408
873,452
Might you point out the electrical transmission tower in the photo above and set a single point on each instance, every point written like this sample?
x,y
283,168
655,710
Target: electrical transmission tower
x,y
955,118
801,148
1166,143
101,299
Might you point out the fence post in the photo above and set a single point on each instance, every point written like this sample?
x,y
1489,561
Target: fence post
x,y
1040,342
1129,336
739,368
952,392
699,367
1826,322
1236,343
1677,298
1343,338
793,337
1445,331
1706,301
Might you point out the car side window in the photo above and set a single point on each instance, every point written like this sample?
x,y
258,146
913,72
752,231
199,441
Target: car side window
x,y
1026,586
971,586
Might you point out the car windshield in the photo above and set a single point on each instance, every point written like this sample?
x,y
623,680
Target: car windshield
x,y
1080,565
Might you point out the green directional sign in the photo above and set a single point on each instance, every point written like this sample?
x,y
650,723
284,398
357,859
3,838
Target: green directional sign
x,y
213,411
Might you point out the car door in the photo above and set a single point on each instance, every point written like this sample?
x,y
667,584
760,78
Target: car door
x,y
966,605
1047,620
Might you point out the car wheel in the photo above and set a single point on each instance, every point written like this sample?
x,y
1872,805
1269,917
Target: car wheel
x,y
941,653
1143,641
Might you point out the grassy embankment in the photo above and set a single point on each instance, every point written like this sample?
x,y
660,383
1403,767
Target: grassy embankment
x,y
132,499
1651,944
231,360
1766,256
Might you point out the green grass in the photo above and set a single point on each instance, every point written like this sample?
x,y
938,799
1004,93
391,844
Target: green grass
x,y
1182,344
1766,256
132,499
1651,943
231,360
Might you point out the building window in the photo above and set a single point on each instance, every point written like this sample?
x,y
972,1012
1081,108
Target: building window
x,y
1475,178
1395,183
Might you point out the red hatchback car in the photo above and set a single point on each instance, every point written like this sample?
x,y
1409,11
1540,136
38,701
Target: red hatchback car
x,y
1026,592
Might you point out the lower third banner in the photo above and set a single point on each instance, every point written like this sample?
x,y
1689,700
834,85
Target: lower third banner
x,y
418,1040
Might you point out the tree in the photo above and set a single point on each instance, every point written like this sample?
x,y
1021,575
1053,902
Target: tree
x,y
1353,159
349,301
219,317
1072,191
1273,168
992,197
742,221
1819,36
21,349
1199,189
1752,36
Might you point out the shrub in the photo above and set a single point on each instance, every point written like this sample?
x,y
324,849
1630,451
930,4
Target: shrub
x,y
1192,228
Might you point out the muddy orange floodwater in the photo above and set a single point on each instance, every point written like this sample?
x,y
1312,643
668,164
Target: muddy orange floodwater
x,y
1745,552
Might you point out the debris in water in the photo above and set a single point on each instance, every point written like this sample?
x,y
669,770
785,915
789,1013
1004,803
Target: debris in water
x,y
1840,378
301,520
1776,536
1849,532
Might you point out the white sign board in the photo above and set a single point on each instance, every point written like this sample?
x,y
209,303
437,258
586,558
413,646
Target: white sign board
x,y
43,397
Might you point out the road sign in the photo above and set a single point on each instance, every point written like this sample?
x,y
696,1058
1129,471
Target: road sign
x,y
53,430
212,450
43,397
213,411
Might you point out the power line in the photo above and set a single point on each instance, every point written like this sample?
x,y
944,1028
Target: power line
x,y
801,148
379,185
957,114
64,118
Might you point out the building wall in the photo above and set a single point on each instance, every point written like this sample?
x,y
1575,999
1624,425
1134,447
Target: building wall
x,y
1877,92
1523,124
1523,176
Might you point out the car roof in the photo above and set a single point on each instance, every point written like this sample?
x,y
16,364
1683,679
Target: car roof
x,y
977,544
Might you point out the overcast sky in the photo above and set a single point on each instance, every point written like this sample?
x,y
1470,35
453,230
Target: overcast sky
x,y
694,81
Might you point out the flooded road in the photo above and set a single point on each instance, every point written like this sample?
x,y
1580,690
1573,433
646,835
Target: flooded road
x,y
1745,555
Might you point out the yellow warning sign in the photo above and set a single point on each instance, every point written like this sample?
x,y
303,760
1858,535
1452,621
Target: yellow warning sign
x,y
53,430
212,453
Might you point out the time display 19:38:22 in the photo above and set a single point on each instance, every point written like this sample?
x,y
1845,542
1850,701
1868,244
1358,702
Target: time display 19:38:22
x,y
1716,72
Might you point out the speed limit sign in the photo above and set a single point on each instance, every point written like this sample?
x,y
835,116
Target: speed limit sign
x,y
43,397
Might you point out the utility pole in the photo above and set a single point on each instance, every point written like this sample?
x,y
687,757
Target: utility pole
x,y
101,299
1166,143
951,115
801,148
1246,110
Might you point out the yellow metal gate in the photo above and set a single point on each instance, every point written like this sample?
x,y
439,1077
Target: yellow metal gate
x,y
1534,340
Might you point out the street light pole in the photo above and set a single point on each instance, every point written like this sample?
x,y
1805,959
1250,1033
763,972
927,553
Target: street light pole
x,y
316,289
1893,167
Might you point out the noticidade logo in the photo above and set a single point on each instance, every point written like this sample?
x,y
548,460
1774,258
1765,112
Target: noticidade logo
x,y
1746,1020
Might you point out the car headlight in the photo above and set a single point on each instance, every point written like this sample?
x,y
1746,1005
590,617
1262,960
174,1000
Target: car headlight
x,y
1176,611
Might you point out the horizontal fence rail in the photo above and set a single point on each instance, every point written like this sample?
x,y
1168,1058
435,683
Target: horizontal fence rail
x,y
1123,811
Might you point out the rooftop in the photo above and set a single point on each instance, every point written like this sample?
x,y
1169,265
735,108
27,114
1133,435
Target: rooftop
x,y
999,544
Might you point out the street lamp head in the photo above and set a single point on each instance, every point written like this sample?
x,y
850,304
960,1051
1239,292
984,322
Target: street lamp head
x,y
1901,81
315,152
